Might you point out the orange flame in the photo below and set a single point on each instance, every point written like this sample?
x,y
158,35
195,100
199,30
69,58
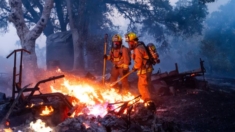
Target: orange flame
x,y
92,98
95,98
47,111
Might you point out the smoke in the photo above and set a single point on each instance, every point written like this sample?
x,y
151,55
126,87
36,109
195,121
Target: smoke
x,y
41,56
183,51
6,68
218,41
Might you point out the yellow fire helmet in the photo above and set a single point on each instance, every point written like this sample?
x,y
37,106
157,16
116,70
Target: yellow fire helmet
x,y
117,38
131,37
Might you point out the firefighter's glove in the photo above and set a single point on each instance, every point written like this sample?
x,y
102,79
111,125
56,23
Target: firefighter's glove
x,y
125,71
134,69
105,57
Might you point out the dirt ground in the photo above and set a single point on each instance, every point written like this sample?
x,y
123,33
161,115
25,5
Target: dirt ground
x,y
201,110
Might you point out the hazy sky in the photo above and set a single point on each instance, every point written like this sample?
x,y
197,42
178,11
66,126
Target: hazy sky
x,y
8,40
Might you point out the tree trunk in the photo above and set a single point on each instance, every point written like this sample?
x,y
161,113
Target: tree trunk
x,y
77,43
59,10
28,37
83,28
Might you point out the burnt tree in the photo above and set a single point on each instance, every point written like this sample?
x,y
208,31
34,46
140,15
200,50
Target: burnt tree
x,y
27,36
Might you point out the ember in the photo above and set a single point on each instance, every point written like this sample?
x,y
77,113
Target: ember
x,y
30,106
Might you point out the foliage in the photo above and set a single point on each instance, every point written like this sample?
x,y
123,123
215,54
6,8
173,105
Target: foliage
x,y
218,43
4,12
32,10
156,16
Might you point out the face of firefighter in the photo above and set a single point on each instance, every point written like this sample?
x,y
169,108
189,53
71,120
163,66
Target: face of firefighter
x,y
117,44
131,44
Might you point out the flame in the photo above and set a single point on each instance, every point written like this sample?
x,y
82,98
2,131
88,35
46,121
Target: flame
x,y
95,97
6,130
90,96
47,111
39,126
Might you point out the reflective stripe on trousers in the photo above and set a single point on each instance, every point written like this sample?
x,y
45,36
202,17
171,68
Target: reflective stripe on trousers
x,y
144,70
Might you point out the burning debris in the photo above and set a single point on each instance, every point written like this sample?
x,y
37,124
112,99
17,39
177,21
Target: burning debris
x,y
167,82
86,107
76,104
140,118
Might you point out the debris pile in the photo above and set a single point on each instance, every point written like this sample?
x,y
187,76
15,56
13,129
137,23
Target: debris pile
x,y
139,119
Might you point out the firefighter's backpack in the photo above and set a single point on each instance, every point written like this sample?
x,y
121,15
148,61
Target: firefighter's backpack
x,y
152,52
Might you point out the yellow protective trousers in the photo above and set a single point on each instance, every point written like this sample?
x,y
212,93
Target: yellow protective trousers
x,y
118,72
144,85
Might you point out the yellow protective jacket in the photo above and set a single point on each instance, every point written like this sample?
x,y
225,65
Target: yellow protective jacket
x,y
120,57
140,57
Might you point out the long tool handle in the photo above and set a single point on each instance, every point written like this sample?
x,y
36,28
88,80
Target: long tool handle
x,y
120,79
105,47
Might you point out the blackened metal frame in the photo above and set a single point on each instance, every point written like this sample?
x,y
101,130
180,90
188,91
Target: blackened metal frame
x,y
14,90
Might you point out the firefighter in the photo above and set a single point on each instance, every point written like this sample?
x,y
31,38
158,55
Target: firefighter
x,y
120,56
141,65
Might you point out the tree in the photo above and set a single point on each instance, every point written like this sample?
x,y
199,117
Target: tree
x,y
84,25
4,11
32,10
28,37
91,18
218,43
183,21
77,45
158,18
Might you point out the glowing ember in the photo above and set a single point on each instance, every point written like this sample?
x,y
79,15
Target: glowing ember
x,y
192,75
58,70
27,106
39,126
86,125
47,111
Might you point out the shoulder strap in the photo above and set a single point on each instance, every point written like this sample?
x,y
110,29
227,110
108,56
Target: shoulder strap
x,y
147,50
140,43
120,51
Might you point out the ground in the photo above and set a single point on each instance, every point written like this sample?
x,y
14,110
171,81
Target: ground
x,y
210,109
199,109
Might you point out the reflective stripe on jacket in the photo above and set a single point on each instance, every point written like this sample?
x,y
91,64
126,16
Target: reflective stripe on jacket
x,y
120,57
